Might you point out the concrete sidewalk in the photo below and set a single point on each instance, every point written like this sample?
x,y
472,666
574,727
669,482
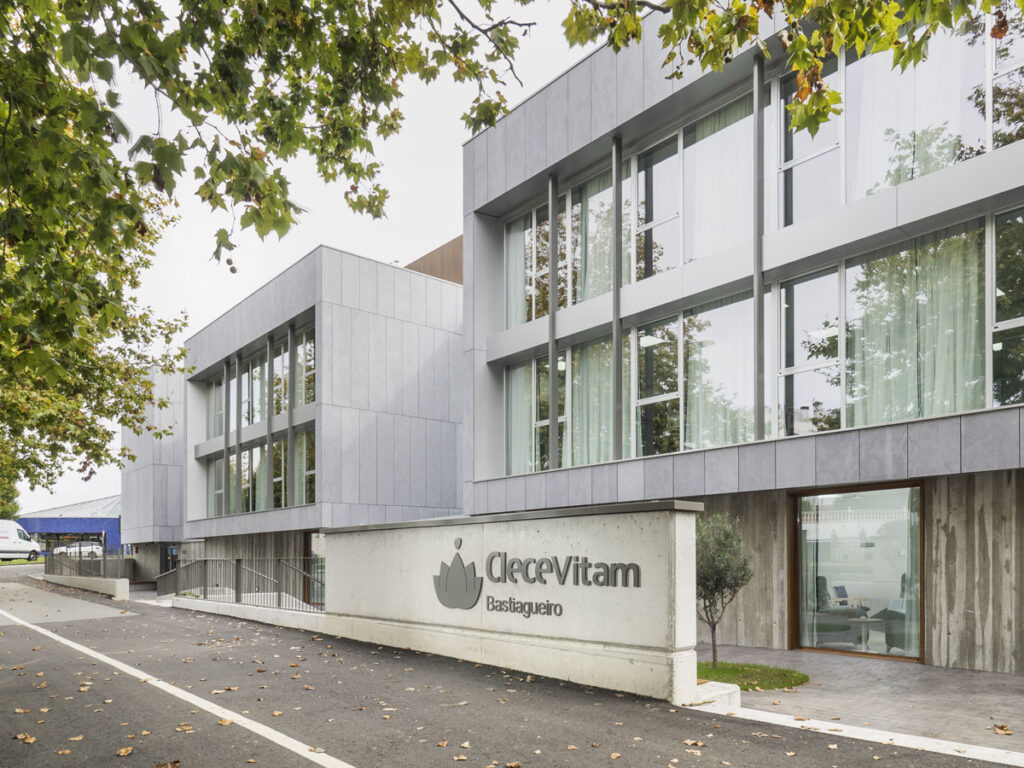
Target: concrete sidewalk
x,y
904,697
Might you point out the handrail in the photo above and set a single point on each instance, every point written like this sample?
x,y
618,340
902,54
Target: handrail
x,y
302,572
258,573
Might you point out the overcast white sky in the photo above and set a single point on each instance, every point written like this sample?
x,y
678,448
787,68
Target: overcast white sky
x,y
422,169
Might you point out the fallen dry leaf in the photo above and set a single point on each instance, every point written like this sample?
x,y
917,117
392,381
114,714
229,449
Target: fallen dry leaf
x,y
571,746
516,764
44,709
30,739
776,702
277,713
799,718
464,745
790,754
443,743
833,746
224,721
79,737
1002,729
145,733
460,758
614,755
63,751
692,752
21,711
250,760
462,704
124,751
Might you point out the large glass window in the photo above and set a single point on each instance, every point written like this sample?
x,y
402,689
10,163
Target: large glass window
x,y
859,564
593,230
542,414
718,163
527,265
657,394
903,125
657,194
215,409
253,473
281,375
1008,332
1008,82
718,366
215,488
809,382
305,468
518,406
809,182
279,468
915,331
591,402
305,363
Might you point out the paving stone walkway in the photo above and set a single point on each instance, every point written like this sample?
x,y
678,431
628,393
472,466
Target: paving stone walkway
x,y
953,704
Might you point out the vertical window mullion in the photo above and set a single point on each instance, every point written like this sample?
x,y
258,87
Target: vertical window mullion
x,y
842,344
990,299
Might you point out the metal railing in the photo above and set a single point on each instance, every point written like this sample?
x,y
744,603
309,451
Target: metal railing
x,y
295,583
105,566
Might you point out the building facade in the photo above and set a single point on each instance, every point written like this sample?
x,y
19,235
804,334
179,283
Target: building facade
x,y
97,521
821,336
329,397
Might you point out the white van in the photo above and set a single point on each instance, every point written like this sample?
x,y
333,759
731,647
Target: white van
x,y
15,544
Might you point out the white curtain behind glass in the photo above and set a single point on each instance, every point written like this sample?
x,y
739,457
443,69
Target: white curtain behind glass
x,y
915,330
717,167
518,419
718,364
592,408
517,258
592,214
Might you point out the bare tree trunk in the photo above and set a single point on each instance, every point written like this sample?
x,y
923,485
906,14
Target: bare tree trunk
x,y
714,646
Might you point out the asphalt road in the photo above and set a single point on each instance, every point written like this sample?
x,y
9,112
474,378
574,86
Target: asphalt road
x,y
365,705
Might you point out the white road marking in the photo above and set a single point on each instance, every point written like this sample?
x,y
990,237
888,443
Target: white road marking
x,y
887,738
274,736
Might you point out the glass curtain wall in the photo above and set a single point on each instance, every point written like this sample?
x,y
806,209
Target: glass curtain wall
x,y
305,362
903,125
718,162
915,329
1008,331
305,468
592,405
859,557
593,228
518,407
657,388
718,371
657,195
809,181
542,415
527,266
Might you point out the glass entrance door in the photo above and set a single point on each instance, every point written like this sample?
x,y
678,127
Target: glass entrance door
x,y
859,557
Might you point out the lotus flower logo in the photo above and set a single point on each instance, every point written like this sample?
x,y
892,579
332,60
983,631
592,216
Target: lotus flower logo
x,y
458,586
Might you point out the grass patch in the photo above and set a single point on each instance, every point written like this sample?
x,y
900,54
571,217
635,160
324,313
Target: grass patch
x,y
750,677
40,559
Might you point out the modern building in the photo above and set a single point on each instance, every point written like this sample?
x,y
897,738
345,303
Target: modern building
x,y
820,336
329,397
98,520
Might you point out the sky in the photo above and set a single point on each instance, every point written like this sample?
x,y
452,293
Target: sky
x,y
422,169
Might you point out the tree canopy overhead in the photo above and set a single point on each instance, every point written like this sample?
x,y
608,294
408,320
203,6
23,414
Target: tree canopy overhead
x,y
251,84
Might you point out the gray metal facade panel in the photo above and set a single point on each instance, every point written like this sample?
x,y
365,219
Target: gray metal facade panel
x,y
556,119
837,458
658,478
605,483
883,453
721,471
557,489
603,107
629,73
630,480
688,474
990,440
794,462
535,156
580,104
515,147
933,447
580,486
756,464
496,159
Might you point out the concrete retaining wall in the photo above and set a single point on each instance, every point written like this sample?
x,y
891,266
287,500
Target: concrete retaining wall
x,y
116,588
280,617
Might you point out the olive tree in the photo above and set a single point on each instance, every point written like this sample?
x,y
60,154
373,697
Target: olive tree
x,y
723,569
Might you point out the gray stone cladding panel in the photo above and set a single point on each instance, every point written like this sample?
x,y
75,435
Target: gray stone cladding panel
x,y
534,155
496,160
603,91
434,458
688,474
403,462
933,447
794,462
557,491
468,195
536,491
515,147
658,482
629,71
883,453
367,458
757,467
386,289
721,471
385,459
605,484
580,104
496,500
837,458
367,285
990,440
480,498
630,480
515,493
418,459
556,119
480,153
655,86
580,486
